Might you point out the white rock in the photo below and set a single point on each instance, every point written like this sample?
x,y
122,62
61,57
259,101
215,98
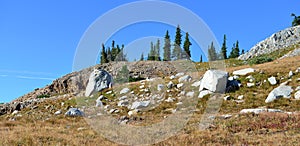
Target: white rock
x,y
214,80
142,86
227,98
160,87
180,85
297,95
123,103
15,112
58,112
74,112
240,97
204,93
108,92
250,78
124,91
259,110
112,111
123,98
139,104
297,88
243,72
227,116
98,80
190,94
196,84
179,74
170,85
99,103
132,112
169,99
297,70
291,74
272,80
281,91
185,78
172,77
250,85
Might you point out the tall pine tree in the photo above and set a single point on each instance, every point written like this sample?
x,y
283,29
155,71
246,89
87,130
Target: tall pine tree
x,y
176,55
157,51
167,48
186,47
224,49
103,58
142,57
212,54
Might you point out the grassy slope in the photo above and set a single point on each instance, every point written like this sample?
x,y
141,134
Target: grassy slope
x,y
39,126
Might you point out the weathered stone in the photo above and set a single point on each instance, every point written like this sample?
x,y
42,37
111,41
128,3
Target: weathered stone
x,y
244,72
185,78
98,80
170,85
249,85
196,84
73,112
272,80
58,112
259,110
180,85
139,104
124,91
214,80
190,94
281,91
240,97
297,95
291,74
160,87
123,103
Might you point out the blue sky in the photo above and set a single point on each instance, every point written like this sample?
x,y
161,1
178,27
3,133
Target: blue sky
x,y
38,39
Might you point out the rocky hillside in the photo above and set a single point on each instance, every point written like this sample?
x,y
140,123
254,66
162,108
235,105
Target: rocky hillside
x,y
280,40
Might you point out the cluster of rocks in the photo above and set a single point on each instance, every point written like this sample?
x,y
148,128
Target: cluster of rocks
x,y
277,41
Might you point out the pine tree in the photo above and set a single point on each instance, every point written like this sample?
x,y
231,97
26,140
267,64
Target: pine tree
x,y
243,51
237,49
167,48
212,54
186,47
109,56
157,51
103,55
296,20
224,49
201,60
142,57
151,55
177,49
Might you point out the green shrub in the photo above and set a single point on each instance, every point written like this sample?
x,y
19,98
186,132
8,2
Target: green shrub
x,y
260,60
43,96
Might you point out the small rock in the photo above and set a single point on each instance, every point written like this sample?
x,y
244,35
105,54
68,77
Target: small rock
x,y
250,85
132,112
272,80
204,93
73,112
58,112
291,74
169,99
99,102
142,86
243,72
170,85
179,74
123,98
297,70
81,129
160,87
123,103
227,98
297,88
250,78
112,111
139,104
15,112
172,77
180,85
240,97
124,91
108,92
227,116
259,110
297,95
185,78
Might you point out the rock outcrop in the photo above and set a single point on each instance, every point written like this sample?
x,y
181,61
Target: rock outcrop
x,y
279,40
98,80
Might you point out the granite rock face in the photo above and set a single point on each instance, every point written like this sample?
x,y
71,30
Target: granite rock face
x,y
279,40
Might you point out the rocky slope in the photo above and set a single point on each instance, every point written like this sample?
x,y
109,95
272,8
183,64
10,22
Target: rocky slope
x,y
279,40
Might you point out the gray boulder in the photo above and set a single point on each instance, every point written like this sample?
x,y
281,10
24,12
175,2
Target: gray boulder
x,y
74,112
185,78
99,79
139,104
281,91
214,80
124,91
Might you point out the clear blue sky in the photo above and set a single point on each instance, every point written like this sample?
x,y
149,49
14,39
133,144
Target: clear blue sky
x,y
38,39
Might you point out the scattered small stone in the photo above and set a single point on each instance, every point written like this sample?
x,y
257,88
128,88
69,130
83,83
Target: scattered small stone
x,y
243,72
124,91
180,85
132,112
81,128
259,110
240,97
249,85
108,92
291,74
179,74
190,94
139,104
123,98
227,116
297,88
185,78
170,99
170,85
73,112
123,103
196,84
58,112
227,97
172,77
297,95
272,80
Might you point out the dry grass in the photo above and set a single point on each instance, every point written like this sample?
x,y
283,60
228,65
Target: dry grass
x,y
40,127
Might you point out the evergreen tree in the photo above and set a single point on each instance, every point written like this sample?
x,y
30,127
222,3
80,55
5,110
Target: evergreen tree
x,y
201,60
167,48
157,51
186,47
151,55
296,20
212,54
177,50
103,55
142,57
235,51
123,75
243,51
109,56
224,49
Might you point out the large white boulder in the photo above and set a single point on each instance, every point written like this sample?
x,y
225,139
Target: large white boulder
x,y
214,80
243,72
281,91
99,79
